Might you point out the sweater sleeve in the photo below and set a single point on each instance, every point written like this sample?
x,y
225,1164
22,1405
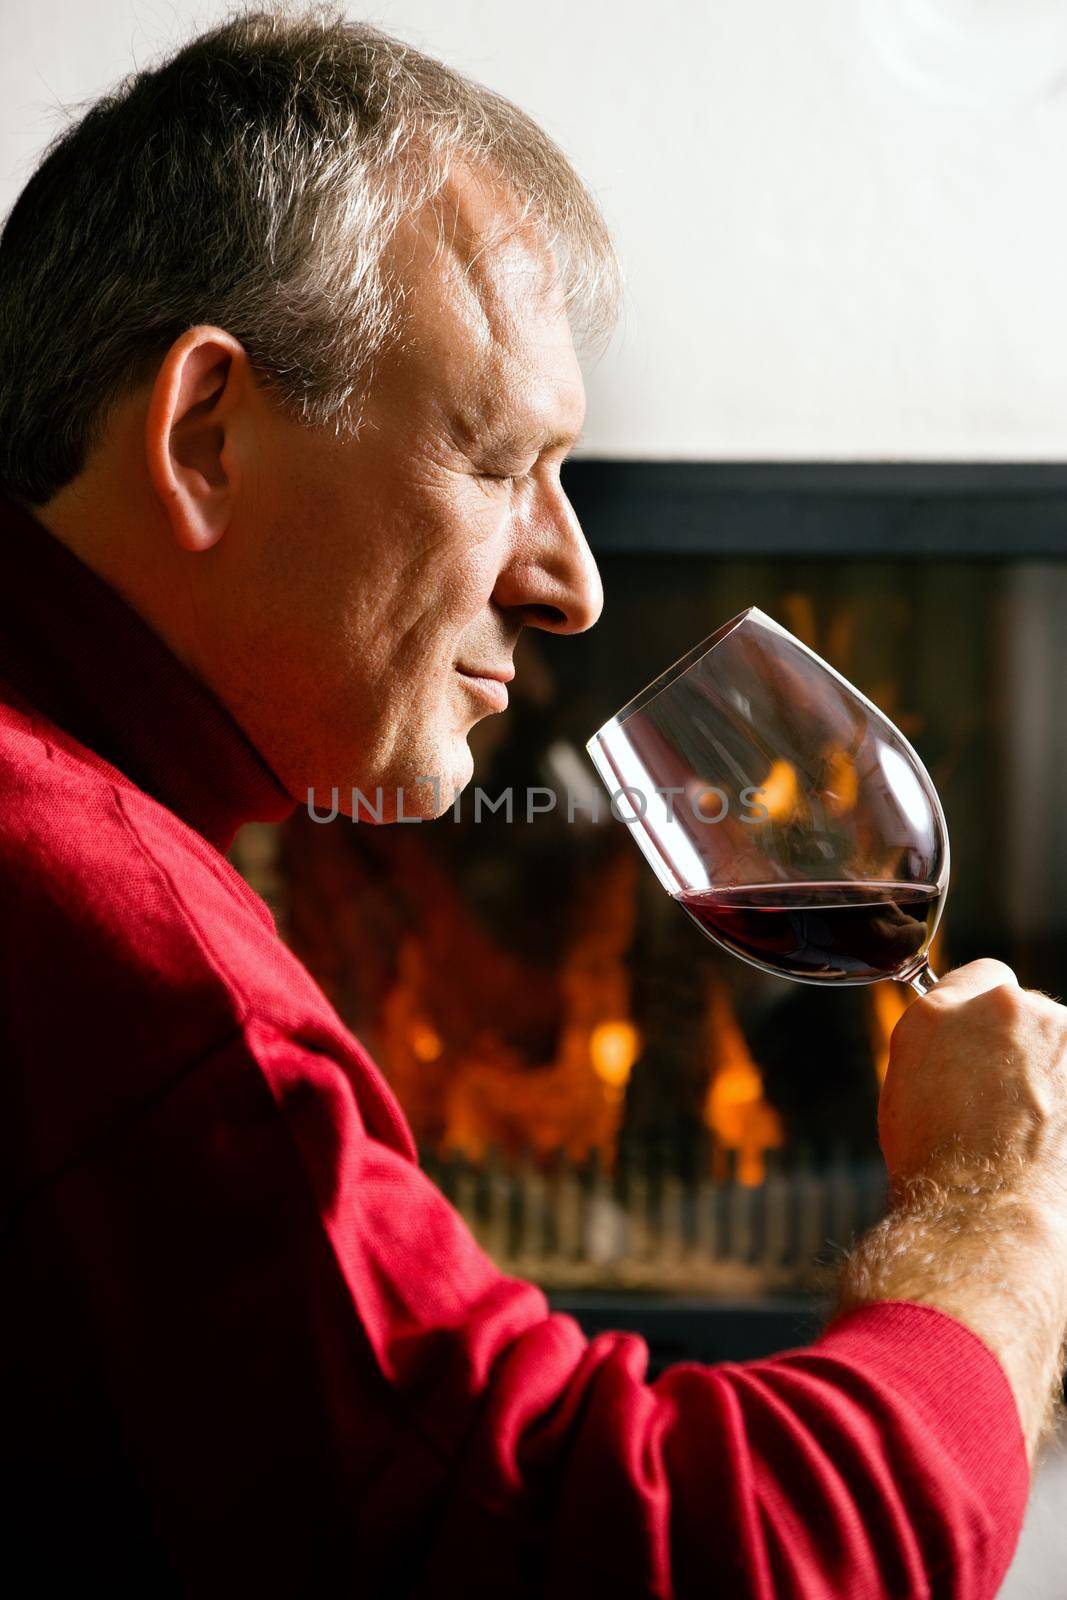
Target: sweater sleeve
x,y
314,1370
885,1460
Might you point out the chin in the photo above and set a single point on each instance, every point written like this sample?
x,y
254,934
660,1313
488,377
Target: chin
x,y
452,767
399,792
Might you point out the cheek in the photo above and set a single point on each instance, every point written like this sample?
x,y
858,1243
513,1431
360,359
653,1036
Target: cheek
x,y
466,565
425,575
479,546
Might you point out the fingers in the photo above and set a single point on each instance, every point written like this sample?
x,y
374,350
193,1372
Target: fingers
x,y
955,988
963,983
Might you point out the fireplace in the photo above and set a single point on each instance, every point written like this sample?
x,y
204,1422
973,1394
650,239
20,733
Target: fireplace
x,y
614,1104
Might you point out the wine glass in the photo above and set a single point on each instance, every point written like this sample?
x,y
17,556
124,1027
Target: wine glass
x,y
791,820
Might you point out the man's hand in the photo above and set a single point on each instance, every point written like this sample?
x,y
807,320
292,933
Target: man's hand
x,y
976,1091
973,1124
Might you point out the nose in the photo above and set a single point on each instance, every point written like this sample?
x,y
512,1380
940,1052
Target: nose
x,y
551,579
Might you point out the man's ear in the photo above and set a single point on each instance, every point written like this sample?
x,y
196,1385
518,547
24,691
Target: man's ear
x,y
190,444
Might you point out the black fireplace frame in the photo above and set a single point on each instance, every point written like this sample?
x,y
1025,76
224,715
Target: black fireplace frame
x,y
998,510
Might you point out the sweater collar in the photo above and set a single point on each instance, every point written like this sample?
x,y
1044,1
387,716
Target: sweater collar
x,y
73,648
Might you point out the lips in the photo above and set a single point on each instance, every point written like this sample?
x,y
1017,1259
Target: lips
x,y
502,674
489,683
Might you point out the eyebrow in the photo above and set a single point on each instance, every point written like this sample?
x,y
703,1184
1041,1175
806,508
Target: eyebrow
x,y
518,438
545,440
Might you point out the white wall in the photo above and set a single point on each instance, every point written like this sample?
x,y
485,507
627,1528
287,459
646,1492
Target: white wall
x,y
844,222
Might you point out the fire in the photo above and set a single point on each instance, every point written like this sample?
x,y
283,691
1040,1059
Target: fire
x,y
841,785
426,1043
780,791
613,1049
735,1109
473,1092
889,1001
471,1089
799,610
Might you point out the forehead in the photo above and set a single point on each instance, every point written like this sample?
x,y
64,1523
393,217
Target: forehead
x,y
486,344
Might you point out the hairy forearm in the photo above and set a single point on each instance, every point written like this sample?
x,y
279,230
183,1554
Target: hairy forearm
x,y
992,1257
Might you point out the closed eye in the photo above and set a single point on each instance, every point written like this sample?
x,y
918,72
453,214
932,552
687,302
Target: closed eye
x,y
515,477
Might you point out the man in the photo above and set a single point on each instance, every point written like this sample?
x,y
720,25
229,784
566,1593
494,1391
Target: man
x,y
288,376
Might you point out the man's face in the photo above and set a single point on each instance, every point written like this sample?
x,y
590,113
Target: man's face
x,y
397,571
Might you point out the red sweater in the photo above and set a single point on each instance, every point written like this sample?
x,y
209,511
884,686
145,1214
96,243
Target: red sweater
x,y
249,1347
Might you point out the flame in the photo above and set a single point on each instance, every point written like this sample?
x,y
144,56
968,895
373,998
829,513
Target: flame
x,y
781,794
735,1110
841,633
426,1042
800,612
471,1090
613,1049
842,784
780,791
889,1001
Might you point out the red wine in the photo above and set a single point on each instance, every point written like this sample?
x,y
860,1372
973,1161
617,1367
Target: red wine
x,y
833,931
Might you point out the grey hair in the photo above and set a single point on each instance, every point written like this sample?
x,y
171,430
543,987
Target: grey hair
x,y
253,181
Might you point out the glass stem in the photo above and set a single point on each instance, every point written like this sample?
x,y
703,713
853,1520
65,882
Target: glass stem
x,y
923,979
